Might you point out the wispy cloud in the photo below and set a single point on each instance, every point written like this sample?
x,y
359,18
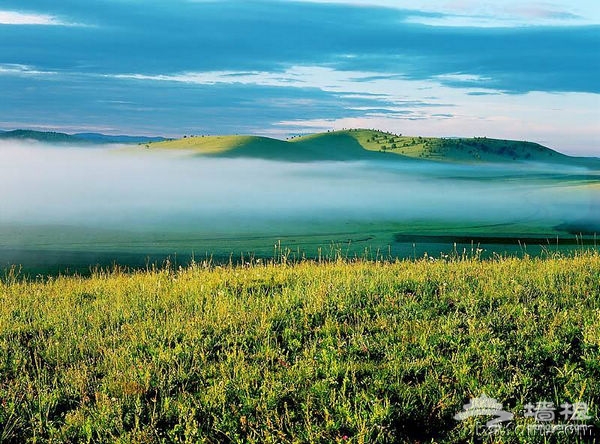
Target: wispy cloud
x,y
546,18
384,95
31,18
263,78
391,93
22,70
485,13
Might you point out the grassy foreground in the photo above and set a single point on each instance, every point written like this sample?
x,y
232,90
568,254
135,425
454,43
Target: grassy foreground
x,y
331,352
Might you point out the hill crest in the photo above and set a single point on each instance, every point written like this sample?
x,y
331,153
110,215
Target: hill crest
x,y
361,144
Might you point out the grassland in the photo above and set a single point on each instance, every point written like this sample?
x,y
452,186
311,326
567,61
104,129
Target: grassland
x,y
337,351
478,149
332,146
359,144
51,250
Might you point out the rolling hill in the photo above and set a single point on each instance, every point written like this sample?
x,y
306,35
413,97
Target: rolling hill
x,y
333,146
346,145
370,144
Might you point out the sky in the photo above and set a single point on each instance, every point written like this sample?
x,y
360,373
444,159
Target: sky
x,y
515,69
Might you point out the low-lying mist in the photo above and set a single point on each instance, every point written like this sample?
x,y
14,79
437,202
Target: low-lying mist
x,y
134,189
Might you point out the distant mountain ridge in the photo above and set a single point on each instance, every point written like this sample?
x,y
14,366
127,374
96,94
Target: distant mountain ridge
x,y
86,138
105,138
41,136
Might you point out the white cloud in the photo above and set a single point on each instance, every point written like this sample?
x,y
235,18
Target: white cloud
x,y
488,22
462,78
26,18
21,70
488,13
263,78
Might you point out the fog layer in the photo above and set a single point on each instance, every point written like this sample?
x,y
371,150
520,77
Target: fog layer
x,y
140,190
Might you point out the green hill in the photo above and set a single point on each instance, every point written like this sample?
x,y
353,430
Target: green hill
x,y
370,144
329,146
478,149
347,145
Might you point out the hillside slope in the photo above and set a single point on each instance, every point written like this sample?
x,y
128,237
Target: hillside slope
x,y
371,144
332,146
478,149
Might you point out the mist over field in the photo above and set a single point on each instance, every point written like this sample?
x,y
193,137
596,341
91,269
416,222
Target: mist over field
x,y
135,189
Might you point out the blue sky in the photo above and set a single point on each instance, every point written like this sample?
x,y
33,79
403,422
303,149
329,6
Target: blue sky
x,y
510,69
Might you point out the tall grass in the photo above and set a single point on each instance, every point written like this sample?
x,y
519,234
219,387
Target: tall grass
x,y
337,351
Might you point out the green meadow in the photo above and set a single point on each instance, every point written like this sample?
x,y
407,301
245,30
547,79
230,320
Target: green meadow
x,y
227,198
313,351
354,286
53,250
